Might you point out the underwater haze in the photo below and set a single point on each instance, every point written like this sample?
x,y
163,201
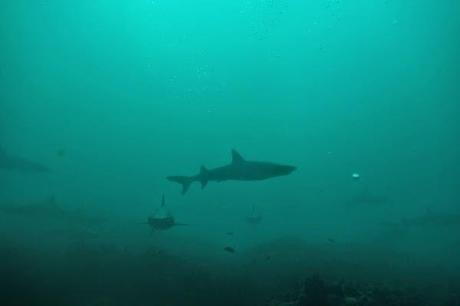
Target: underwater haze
x,y
102,101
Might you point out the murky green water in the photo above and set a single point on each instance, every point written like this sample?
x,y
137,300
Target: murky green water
x,y
101,100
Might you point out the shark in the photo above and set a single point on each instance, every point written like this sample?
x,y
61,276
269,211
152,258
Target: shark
x,y
239,169
162,218
8,162
49,209
255,217
433,219
429,221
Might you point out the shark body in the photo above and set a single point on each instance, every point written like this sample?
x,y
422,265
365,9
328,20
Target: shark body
x,y
238,170
434,219
49,210
19,164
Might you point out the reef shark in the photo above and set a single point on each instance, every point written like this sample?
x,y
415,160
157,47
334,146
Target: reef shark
x,y
9,162
434,219
239,169
162,218
49,209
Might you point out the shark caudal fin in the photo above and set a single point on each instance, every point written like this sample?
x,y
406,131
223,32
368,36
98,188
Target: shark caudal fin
x,y
204,174
185,181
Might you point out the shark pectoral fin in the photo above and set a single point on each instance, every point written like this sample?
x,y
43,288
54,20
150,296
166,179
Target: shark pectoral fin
x,y
204,176
236,157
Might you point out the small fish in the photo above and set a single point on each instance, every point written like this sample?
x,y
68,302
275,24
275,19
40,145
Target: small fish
x,y
229,233
331,240
229,249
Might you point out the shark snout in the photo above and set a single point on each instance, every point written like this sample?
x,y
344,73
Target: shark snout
x,y
285,169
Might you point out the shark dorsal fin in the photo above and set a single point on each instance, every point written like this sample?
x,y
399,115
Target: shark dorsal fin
x,y
203,170
162,200
236,157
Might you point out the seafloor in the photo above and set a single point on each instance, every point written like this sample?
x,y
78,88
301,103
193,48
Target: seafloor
x,y
283,272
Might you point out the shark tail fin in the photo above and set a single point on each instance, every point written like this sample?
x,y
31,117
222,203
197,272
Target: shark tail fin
x,y
185,181
204,173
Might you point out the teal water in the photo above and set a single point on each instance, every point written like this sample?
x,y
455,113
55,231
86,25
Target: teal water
x,y
113,96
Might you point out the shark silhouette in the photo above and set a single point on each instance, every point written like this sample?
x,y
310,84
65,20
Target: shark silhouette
x,y
162,219
15,163
255,217
49,209
238,170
